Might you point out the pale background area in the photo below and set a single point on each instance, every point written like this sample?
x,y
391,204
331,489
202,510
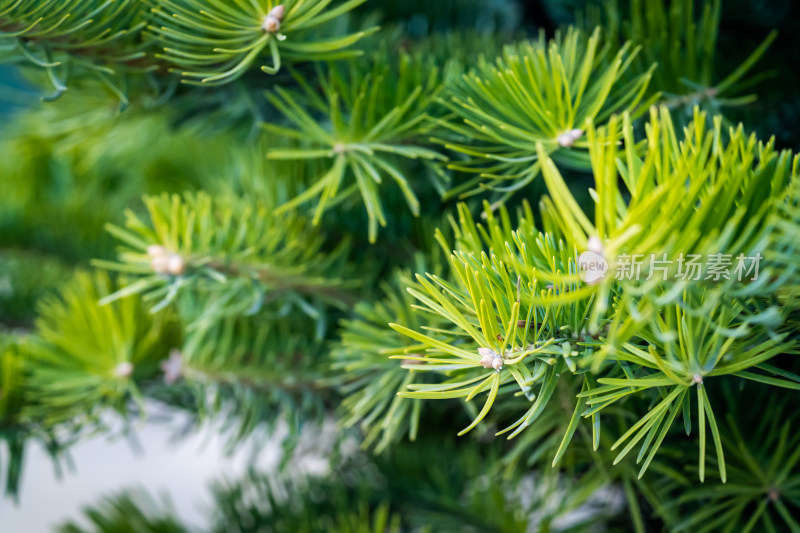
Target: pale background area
x,y
183,469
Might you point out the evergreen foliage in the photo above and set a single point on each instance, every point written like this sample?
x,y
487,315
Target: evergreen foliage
x,y
386,110
537,92
684,48
234,34
275,215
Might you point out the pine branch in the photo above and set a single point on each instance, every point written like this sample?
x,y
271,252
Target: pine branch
x,y
708,329
203,42
369,379
761,462
80,361
224,300
128,512
86,357
700,200
684,47
56,35
237,255
536,93
372,124
213,44
250,373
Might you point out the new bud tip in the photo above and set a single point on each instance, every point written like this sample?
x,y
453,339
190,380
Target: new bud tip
x,y
272,22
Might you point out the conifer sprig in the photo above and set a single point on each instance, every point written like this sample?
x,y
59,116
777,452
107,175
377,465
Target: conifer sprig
x,y
762,465
249,372
684,46
537,92
498,338
214,43
368,377
58,35
203,41
223,301
86,357
231,253
501,316
698,194
369,123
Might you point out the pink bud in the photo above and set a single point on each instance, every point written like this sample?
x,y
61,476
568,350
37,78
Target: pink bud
x,y
175,265
487,357
277,12
272,22
568,138
159,264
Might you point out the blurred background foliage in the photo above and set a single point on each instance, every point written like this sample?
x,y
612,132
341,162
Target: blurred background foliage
x,y
72,166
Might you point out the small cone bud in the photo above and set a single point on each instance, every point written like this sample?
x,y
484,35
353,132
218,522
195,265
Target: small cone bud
x,y
164,262
697,379
490,359
159,264
175,265
272,22
568,138
278,12
487,356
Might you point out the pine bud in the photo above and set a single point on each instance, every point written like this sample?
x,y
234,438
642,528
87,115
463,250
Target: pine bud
x,y
486,356
568,138
490,359
159,264
123,370
697,379
272,22
176,266
163,262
